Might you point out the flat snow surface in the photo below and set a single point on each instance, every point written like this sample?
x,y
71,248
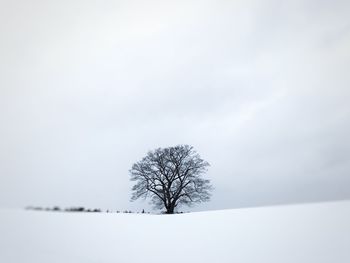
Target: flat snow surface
x,y
294,233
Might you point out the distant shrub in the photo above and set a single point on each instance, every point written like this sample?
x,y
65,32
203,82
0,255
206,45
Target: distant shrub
x,y
38,208
75,209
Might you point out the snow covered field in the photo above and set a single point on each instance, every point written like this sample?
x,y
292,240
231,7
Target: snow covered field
x,y
294,233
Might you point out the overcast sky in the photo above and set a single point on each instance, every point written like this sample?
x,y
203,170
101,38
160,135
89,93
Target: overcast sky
x,y
259,88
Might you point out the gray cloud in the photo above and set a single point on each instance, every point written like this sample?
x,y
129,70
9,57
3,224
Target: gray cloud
x,y
260,90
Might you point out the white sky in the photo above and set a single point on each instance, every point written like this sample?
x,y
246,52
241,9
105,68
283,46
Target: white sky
x,y
259,88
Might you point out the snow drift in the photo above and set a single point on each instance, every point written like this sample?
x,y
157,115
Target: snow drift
x,y
294,233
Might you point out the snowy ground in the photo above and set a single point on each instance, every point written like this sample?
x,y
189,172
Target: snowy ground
x,y
295,233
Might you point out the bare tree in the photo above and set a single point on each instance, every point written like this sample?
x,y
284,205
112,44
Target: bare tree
x,y
171,177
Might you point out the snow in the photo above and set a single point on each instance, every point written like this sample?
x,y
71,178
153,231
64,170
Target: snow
x,y
317,232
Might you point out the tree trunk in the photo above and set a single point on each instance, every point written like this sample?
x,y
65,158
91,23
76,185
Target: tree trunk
x,y
170,209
